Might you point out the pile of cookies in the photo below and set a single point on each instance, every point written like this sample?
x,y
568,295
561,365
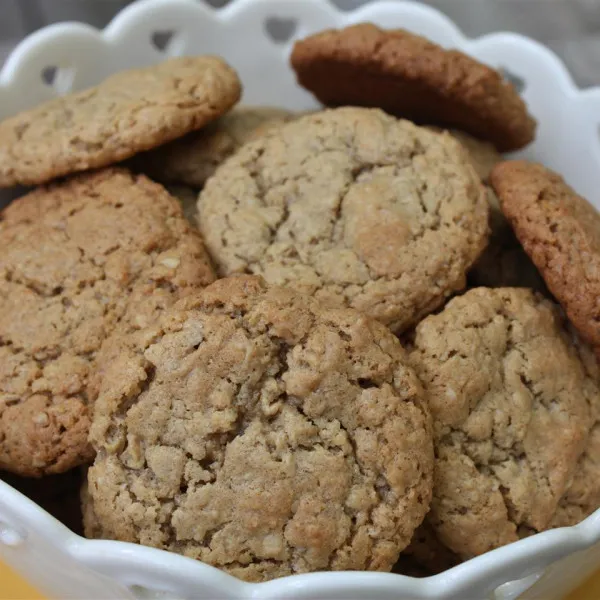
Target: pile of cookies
x,y
351,339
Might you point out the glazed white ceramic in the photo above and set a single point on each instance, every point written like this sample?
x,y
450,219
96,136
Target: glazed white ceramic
x,y
255,36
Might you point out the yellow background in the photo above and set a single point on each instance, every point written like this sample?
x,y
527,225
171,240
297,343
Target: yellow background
x,y
12,587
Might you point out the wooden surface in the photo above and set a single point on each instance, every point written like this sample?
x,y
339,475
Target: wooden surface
x,y
13,587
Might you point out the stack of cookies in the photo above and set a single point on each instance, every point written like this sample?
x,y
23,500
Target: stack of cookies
x,y
352,339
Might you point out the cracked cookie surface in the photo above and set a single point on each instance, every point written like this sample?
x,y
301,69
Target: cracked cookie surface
x,y
352,206
77,260
510,402
411,77
129,112
192,159
580,500
266,435
560,231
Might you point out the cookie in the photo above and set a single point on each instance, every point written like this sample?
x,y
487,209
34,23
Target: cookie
x,y
510,401
352,206
411,77
263,434
188,197
192,159
560,231
79,259
129,112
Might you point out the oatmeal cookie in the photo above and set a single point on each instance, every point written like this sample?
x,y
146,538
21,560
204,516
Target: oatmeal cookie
x,y
510,402
411,77
352,206
261,433
129,112
79,259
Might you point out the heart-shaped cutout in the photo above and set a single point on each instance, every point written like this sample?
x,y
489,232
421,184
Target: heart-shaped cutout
x,y
517,81
60,78
162,40
280,29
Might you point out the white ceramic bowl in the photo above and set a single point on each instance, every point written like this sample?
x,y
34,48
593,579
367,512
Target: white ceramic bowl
x,y
255,37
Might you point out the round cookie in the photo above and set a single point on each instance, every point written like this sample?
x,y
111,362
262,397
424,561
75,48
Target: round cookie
x,y
129,112
510,403
560,231
79,259
411,77
266,435
352,206
192,159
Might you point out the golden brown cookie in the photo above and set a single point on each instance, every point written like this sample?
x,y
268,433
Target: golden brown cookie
x,y
352,206
261,433
510,403
411,77
560,231
129,112
192,159
79,259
